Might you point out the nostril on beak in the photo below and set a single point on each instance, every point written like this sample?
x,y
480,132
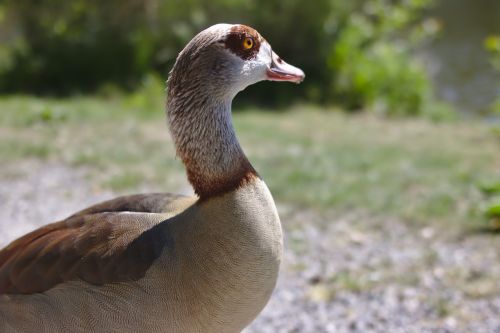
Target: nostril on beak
x,y
276,61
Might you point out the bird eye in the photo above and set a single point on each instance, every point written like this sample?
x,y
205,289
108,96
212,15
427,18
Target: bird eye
x,y
247,43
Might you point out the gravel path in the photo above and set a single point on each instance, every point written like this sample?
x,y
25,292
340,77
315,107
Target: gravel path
x,y
341,273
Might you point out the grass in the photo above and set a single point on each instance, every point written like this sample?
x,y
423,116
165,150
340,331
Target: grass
x,y
415,170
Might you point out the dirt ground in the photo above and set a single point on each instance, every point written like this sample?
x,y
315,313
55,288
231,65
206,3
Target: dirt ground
x,y
348,273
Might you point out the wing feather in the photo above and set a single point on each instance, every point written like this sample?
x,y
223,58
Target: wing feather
x,y
114,241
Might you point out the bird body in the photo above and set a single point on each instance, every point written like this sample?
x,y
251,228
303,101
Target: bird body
x,y
217,284
164,262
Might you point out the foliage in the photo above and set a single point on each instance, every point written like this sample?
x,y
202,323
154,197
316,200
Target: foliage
x,y
493,208
492,205
490,188
355,53
70,46
492,44
372,57
492,213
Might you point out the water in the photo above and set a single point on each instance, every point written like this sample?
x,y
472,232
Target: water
x,y
457,59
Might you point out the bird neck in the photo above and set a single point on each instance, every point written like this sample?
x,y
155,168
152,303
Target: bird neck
x,y
206,142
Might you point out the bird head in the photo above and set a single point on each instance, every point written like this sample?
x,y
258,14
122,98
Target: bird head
x,y
226,58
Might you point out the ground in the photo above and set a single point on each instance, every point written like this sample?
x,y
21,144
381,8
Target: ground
x,y
382,218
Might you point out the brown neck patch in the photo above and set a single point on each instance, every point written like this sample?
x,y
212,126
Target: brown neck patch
x,y
207,186
236,37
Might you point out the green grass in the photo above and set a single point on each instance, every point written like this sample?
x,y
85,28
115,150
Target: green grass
x,y
415,170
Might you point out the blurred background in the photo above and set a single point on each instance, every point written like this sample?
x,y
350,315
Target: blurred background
x,y
384,162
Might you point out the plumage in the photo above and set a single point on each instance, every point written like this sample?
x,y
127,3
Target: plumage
x,y
79,247
164,262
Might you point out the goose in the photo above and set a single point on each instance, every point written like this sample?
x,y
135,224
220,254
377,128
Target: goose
x,y
165,262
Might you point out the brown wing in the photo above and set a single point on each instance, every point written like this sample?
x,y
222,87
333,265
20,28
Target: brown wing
x,y
98,247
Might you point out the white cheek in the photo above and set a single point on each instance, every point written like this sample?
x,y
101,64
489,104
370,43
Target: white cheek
x,y
255,70
252,70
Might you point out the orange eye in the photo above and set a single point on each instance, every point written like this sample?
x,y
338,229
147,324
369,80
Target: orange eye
x,y
247,43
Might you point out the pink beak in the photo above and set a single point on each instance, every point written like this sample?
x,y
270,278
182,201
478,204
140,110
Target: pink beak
x,y
281,71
